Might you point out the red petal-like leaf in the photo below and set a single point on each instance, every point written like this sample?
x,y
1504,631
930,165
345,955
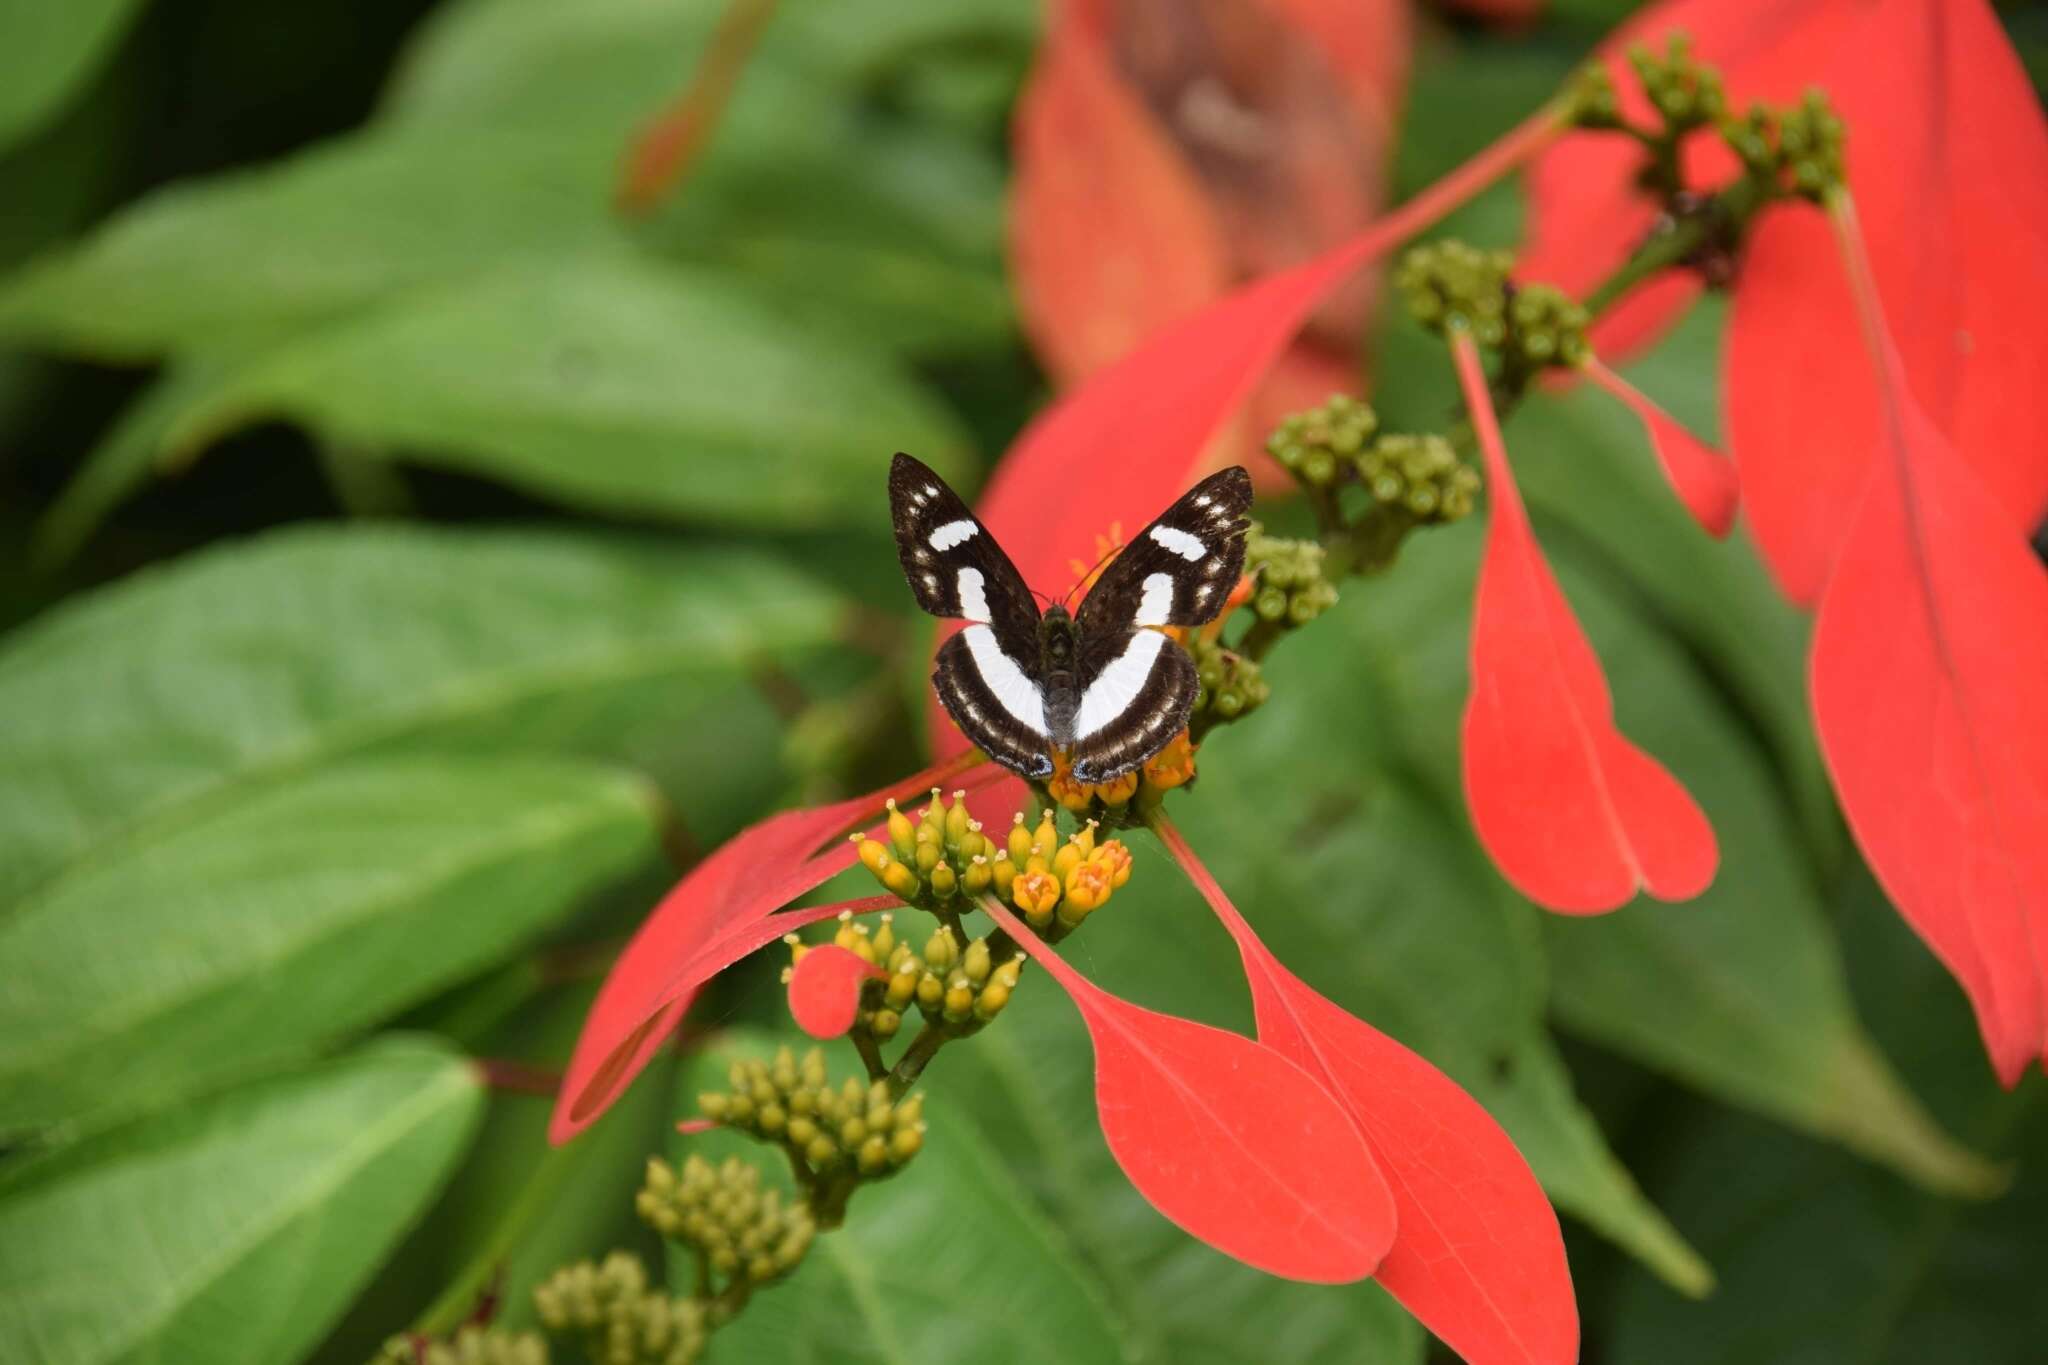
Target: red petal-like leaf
x,y
1229,1139
1699,474
723,910
1110,234
1575,816
1929,657
1478,1256
824,989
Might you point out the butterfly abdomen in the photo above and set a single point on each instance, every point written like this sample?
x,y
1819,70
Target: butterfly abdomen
x,y
1059,653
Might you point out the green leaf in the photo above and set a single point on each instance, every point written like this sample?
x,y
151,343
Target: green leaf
x,y
621,385
517,1209
1740,992
178,692
949,1260
121,463
47,52
245,257
237,1228
304,913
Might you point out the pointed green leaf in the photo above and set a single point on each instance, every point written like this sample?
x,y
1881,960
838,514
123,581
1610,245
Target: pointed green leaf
x,y
48,51
236,1228
314,908
612,383
169,695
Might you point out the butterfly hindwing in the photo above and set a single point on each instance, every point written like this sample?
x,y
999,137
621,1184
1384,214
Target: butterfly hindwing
x,y
995,701
954,565
1136,685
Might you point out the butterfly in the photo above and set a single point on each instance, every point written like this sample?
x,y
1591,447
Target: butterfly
x,y
1105,685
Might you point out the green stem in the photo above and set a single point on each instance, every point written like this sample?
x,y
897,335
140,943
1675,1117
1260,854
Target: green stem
x,y
915,1058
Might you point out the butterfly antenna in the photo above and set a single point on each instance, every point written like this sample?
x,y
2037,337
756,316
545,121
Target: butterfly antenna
x,y
1107,555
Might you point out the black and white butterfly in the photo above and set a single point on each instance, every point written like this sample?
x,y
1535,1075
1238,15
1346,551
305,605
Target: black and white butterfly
x,y
1105,684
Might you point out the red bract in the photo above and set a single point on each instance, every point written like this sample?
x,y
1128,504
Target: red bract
x,y
722,911
1703,480
1166,150
1948,154
1928,663
1576,817
1229,1139
1477,1255
824,989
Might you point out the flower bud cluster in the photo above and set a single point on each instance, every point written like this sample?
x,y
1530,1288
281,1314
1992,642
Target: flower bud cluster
x,y
1056,885
937,861
470,1346
619,1318
1686,93
723,1212
1590,100
1292,588
1451,285
1233,685
1798,149
1547,326
953,987
852,1127
1316,444
1422,477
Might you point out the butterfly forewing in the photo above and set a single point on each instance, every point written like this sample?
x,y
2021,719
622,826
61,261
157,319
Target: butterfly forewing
x,y
1137,687
987,675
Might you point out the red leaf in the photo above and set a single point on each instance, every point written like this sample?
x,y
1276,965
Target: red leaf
x,y
824,989
1699,474
1230,1140
1801,413
1110,234
1928,660
717,914
1575,816
1477,1255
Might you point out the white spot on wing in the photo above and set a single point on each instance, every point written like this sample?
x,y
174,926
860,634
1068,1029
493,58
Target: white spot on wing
x,y
1013,690
1157,604
1180,542
952,533
973,596
1118,685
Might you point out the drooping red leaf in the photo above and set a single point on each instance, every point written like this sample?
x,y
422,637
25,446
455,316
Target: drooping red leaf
x,y
1110,234
1231,1140
1478,1256
1699,474
1801,416
1929,657
1575,816
824,989
717,914
1122,445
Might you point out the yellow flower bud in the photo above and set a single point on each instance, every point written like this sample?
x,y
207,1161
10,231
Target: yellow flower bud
x,y
901,832
977,877
928,854
874,856
959,1001
1036,893
885,1023
904,1144
1003,874
976,962
1116,858
885,938
1046,837
1067,859
944,882
930,991
874,1154
957,820
1020,840
900,881
990,1002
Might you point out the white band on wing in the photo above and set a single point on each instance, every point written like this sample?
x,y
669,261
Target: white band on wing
x,y
1181,543
952,533
973,596
1155,608
1118,685
1004,678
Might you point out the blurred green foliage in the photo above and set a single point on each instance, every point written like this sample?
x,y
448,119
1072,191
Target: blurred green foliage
x,y
574,555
